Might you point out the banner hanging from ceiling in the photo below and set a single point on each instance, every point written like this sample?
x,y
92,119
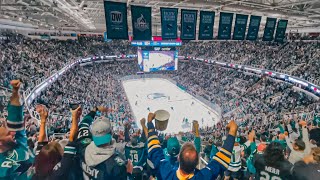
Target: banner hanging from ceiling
x,y
188,24
281,30
225,25
253,28
141,22
206,25
240,27
269,29
116,20
169,22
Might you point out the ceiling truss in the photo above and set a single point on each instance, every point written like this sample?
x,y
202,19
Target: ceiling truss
x,y
88,15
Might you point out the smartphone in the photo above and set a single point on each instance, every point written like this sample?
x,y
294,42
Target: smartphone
x,y
74,106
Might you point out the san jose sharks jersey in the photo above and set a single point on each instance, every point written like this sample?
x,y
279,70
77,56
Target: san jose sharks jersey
x,y
16,162
235,164
138,154
279,171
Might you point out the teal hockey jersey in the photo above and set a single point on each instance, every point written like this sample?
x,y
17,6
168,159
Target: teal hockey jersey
x,y
16,162
138,154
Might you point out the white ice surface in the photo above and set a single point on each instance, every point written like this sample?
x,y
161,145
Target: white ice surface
x,y
142,91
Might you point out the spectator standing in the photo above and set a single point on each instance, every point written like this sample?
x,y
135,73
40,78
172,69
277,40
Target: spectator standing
x,y
101,159
272,163
188,157
309,167
15,159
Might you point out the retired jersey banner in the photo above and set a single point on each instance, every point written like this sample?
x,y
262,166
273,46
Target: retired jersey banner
x,y
253,28
269,29
141,22
169,22
281,30
240,27
116,20
188,24
225,25
206,25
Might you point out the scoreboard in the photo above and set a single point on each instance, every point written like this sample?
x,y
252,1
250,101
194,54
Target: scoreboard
x,y
153,58
157,56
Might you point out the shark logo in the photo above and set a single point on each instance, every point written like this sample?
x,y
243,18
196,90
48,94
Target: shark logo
x,y
141,24
13,155
155,96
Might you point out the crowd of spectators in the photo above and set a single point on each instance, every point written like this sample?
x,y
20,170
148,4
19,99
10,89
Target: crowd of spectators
x,y
29,60
103,87
274,131
297,58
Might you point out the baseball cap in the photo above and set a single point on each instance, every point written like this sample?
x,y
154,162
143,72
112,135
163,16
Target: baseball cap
x,y
101,130
173,146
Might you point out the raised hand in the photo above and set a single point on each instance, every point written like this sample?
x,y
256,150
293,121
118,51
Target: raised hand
x,y
76,113
129,166
43,112
233,127
15,84
75,120
143,122
151,117
251,136
195,125
195,128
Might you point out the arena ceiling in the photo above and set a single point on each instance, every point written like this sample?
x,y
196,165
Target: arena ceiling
x,y
88,15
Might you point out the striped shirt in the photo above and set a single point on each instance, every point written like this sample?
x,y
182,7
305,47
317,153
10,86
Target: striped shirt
x,y
235,164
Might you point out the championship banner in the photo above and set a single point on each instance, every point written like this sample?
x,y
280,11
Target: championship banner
x,y
188,24
206,25
169,20
253,29
225,24
141,22
240,27
116,20
281,30
269,29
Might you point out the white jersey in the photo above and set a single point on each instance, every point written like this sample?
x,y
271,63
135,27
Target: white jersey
x,y
235,164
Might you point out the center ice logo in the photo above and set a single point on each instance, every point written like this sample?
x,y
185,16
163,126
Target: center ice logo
x,y
154,96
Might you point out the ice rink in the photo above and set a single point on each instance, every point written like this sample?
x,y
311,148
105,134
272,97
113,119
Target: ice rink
x,y
163,94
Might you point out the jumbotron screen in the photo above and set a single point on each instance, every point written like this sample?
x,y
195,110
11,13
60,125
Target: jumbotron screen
x,y
153,59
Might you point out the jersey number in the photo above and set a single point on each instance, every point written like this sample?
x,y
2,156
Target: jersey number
x,y
134,157
266,176
83,133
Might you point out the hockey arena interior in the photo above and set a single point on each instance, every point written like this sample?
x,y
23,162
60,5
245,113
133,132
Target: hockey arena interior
x,y
159,90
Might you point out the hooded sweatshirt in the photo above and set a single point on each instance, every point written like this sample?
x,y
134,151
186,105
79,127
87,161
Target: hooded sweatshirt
x,y
95,155
103,162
